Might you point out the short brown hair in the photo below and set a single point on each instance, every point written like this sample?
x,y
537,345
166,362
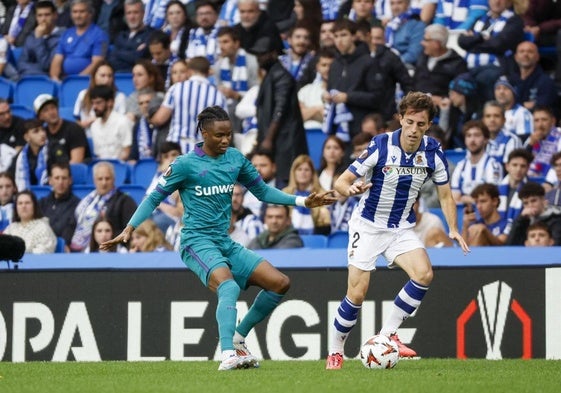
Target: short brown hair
x,y
417,102
476,124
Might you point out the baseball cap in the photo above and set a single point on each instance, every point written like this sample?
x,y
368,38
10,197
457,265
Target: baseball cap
x,y
42,100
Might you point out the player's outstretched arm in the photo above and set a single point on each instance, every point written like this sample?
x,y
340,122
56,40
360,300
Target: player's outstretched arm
x,y
123,237
321,199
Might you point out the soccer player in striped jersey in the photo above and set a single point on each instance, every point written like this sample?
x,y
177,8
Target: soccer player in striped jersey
x,y
205,179
394,167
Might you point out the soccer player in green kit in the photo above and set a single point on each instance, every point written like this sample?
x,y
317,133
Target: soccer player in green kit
x,y
205,178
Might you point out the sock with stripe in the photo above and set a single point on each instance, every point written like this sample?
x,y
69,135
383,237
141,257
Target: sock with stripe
x,y
264,303
405,303
345,320
228,292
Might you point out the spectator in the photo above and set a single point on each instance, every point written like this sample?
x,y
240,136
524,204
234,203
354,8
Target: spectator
x,y
310,96
60,204
332,162
202,39
80,47
255,24
40,45
11,127
111,131
8,191
144,75
518,120
229,14
106,200
7,69
102,75
63,13
279,233
19,22
264,163
478,167
353,90
304,181
67,140
243,217
246,140
501,142
340,212
147,237
29,224
539,235
130,44
179,72
491,41
197,93
535,209
489,229
235,71
169,212
404,32
102,231
110,17
389,72
429,228
177,26
553,187
373,124
544,141
30,165
360,10
308,12
160,52
146,138
532,85
279,120
457,15
438,65
517,169
543,20
360,143
299,53
460,107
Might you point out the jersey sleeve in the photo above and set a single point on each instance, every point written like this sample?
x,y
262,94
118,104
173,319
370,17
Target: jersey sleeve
x,y
440,175
366,161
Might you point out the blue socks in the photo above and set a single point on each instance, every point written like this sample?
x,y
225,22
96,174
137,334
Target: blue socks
x,y
405,303
264,303
345,320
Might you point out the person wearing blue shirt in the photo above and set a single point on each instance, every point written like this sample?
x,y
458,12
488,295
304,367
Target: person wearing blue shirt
x,y
81,47
205,179
489,229
394,166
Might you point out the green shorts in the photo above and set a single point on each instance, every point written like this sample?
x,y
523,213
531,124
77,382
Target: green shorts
x,y
202,254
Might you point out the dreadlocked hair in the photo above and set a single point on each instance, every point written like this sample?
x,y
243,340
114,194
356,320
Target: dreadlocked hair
x,y
209,115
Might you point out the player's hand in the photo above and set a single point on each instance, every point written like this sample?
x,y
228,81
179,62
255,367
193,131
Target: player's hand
x,y
358,187
123,237
322,199
454,235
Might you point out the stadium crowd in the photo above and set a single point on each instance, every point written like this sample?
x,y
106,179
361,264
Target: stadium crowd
x,y
286,72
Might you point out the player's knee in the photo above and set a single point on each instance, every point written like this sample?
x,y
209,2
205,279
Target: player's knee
x,y
425,276
283,284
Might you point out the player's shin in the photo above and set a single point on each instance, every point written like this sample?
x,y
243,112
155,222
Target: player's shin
x,y
405,303
226,313
264,303
345,320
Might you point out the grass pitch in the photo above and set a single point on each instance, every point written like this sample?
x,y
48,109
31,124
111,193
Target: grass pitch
x,y
426,375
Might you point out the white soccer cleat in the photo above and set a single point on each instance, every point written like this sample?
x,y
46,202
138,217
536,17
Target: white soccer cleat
x,y
234,362
243,351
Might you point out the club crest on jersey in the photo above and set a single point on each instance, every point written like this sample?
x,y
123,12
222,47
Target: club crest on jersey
x,y
387,170
419,160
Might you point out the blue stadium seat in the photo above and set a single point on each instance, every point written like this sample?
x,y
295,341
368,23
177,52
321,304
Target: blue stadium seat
x,y
60,243
315,138
135,191
7,88
40,191
124,82
29,87
70,87
339,239
314,241
14,55
121,171
80,174
455,155
67,113
81,190
22,111
143,172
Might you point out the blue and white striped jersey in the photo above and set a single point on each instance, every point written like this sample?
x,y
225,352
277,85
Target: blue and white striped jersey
x,y
396,178
519,120
504,143
467,176
187,99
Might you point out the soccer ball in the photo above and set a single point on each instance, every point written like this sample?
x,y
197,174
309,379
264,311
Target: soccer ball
x,y
379,352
